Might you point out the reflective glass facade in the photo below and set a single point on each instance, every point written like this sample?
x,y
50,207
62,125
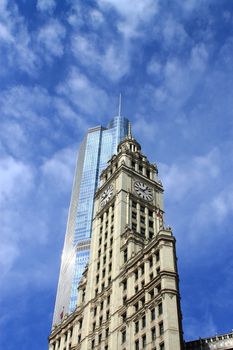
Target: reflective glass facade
x,y
96,149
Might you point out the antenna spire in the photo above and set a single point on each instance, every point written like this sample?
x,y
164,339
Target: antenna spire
x,y
130,131
119,109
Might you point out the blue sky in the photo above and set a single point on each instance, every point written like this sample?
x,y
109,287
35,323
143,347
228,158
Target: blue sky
x,y
62,67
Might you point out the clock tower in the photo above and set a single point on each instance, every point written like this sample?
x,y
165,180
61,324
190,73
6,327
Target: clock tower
x,y
129,294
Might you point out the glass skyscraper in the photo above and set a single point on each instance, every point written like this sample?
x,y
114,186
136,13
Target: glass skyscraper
x,y
96,149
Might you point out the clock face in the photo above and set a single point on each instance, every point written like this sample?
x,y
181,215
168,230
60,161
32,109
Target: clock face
x,y
143,191
106,195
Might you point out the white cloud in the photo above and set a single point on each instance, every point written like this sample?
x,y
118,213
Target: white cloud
x,y
132,15
154,66
51,39
216,209
59,169
46,5
15,177
113,60
97,19
15,41
15,104
178,78
16,181
191,175
83,93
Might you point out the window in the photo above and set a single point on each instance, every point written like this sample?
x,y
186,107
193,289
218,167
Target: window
x,y
107,332
99,252
151,276
158,270
124,300
161,346
136,307
108,299
144,341
152,313
83,296
93,326
65,337
148,173
153,334
101,305
142,220
80,323
151,235
144,321
134,215
142,283
142,269
104,259
100,241
125,255
111,241
136,289
112,229
79,338
137,345
152,293
157,256
102,286
105,246
98,265
109,267
106,235
140,168
124,283
123,336
136,326
134,226
110,253
142,209
150,213
109,279
151,224
159,288
101,320
100,338
71,332
93,344
112,217
103,273
150,261
95,311
161,329
136,275
134,204
124,317
97,278
96,291
133,164
160,309
107,315
143,231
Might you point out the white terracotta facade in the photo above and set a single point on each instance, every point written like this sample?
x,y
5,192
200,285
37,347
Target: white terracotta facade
x,y
129,294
